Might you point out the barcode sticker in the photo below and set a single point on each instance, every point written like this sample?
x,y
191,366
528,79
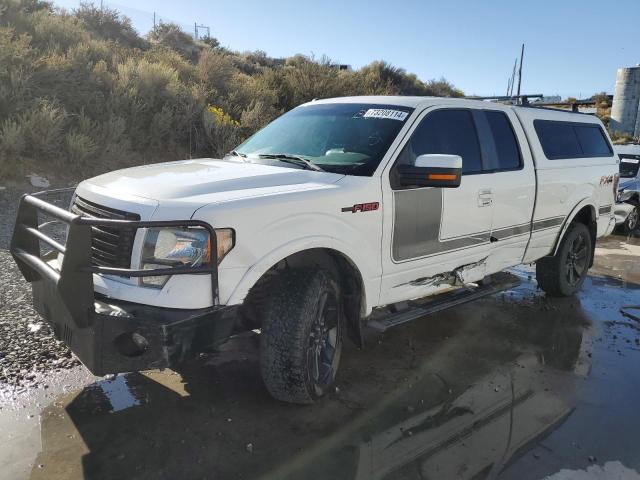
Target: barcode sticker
x,y
386,113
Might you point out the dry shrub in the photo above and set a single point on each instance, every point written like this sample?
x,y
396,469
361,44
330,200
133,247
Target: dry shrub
x,y
216,69
12,141
43,128
222,131
57,32
80,148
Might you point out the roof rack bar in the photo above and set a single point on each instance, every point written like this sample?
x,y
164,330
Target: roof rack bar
x,y
524,99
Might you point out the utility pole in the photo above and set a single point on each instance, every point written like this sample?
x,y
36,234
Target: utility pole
x,y
196,27
154,20
520,70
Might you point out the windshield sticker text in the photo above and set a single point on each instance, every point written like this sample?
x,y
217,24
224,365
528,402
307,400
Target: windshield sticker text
x,y
386,113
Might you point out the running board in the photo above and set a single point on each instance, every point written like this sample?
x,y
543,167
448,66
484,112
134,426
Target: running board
x,y
495,283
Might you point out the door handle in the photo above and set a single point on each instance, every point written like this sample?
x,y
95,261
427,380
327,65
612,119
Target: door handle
x,y
485,197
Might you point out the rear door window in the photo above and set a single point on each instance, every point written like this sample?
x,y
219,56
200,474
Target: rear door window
x,y
506,145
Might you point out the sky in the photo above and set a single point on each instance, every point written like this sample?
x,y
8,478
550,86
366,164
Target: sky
x,y
572,47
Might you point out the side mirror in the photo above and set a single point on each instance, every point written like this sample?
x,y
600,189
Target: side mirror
x,y
432,170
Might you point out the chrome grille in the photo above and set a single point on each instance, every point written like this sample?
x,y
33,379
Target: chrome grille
x,y
110,246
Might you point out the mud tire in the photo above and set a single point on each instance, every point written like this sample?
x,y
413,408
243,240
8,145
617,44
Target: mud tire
x,y
290,327
552,273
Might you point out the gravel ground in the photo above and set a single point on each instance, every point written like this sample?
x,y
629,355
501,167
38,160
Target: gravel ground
x,y
27,345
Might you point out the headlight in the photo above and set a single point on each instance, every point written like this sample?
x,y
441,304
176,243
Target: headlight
x,y
181,247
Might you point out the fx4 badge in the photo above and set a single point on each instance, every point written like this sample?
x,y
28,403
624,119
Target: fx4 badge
x,y
362,207
606,179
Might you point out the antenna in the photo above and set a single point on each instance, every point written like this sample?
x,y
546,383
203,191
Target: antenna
x,y
513,77
520,70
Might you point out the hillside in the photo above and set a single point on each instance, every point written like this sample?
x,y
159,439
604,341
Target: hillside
x,y
82,93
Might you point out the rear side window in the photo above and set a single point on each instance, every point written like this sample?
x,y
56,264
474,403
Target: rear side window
x,y
592,141
565,140
449,132
507,151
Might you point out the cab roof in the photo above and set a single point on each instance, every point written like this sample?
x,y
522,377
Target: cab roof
x,y
524,111
401,101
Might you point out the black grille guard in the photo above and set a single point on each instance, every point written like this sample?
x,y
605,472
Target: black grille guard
x,y
74,280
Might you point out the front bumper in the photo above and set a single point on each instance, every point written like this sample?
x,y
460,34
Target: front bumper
x,y
127,337
110,336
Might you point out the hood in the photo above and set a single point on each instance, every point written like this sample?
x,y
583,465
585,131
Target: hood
x,y
208,180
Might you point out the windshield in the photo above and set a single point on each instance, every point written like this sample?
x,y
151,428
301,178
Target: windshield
x,y
349,138
629,165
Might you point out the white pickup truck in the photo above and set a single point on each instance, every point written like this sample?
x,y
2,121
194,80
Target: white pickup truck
x,y
340,215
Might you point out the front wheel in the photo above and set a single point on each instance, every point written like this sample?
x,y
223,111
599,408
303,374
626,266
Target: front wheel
x,y
301,338
563,274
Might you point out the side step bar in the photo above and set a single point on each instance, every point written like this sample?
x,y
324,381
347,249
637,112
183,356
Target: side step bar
x,y
498,282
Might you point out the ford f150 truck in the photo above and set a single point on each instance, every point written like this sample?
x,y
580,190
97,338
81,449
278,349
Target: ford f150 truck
x,y
343,214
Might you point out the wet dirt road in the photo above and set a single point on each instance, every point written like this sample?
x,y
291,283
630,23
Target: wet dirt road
x,y
514,386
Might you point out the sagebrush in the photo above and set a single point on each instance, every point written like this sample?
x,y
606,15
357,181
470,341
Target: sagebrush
x,y
82,93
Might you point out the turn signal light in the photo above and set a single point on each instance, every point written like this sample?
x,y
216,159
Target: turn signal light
x,y
442,176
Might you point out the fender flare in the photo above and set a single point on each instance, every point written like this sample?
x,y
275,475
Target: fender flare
x,y
585,202
369,290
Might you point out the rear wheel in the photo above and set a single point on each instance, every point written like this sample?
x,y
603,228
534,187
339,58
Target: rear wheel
x,y
563,274
301,338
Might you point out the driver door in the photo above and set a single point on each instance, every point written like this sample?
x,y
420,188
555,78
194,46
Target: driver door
x,y
429,230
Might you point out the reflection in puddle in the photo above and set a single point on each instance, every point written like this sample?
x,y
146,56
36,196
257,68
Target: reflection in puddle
x,y
118,393
610,470
475,433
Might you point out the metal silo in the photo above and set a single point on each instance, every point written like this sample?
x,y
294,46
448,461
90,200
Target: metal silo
x,y
626,100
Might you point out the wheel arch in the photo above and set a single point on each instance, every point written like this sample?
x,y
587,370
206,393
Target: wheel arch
x,y
358,293
584,212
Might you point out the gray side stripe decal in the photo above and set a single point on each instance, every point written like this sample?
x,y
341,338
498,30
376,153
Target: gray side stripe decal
x,y
508,232
416,226
605,209
547,222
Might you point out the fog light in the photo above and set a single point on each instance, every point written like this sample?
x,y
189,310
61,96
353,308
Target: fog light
x,y
131,344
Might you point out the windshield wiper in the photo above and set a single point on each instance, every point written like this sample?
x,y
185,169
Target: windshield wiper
x,y
286,158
